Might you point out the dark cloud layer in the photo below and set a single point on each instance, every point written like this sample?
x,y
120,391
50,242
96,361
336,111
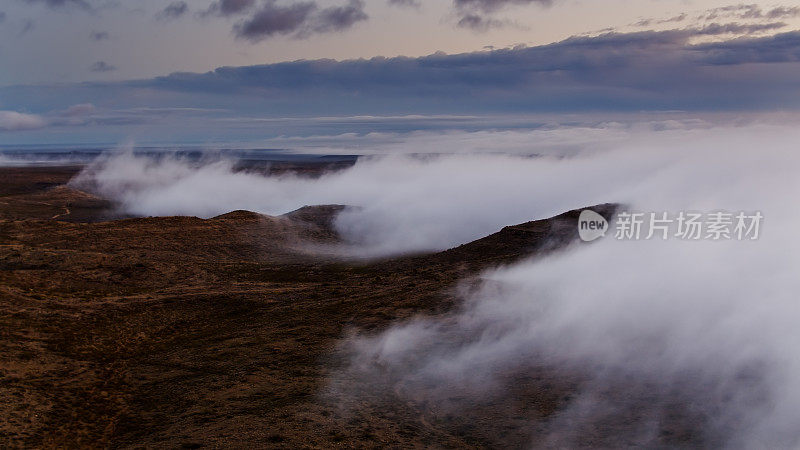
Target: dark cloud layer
x,y
477,14
102,66
299,19
99,35
579,60
751,11
783,48
673,19
478,22
81,4
173,11
274,19
495,5
739,28
338,18
782,12
611,72
229,7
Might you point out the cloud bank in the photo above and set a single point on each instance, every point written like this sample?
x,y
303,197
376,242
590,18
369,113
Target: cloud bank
x,y
405,202
15,121
611,72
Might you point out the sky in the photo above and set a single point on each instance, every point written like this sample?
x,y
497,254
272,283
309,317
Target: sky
x,y
103,71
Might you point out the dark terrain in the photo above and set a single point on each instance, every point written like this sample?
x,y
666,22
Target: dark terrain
x,y
183,332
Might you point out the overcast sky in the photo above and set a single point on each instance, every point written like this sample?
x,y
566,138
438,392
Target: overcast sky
x,y
146,59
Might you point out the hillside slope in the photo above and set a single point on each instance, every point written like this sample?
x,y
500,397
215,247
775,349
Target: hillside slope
x,y
179,331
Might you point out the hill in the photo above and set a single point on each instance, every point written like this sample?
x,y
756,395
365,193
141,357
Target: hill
x,y
182,332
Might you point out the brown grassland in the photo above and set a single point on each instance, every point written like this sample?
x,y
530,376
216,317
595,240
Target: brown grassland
x,y
184,332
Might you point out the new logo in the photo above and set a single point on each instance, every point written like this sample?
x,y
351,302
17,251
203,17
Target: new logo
x,y
591,225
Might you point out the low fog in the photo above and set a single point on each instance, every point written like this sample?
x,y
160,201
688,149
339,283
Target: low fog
x,y
411,203
658,335
705,328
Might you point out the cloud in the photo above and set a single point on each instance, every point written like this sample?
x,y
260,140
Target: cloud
x,y
678,18
65,4
673,19
173,11
405,3
740,11
78,115
273,19
475,14
13,121
338,18
99,35
479,23
489,6
2,16
716,29
228,7
623,72
783,12
744,15
299,19
783,48
27,26
88,115
617,70
81,109
102,66
751,11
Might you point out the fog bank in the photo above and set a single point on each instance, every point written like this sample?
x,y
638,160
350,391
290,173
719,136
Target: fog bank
x,y
435,199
